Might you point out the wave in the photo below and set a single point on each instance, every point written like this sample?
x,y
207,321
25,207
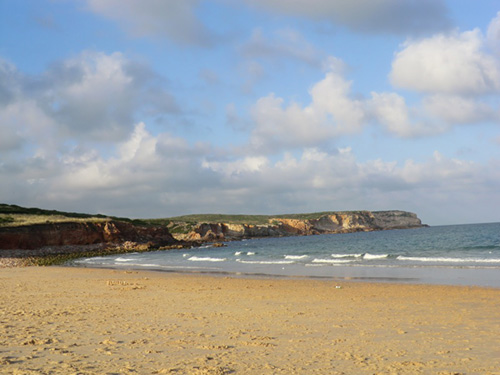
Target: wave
x,y
120,263
147,265
369,256
244,253
265,261
90,260
120,259
449,260
296,257
336,256
206,259
333,261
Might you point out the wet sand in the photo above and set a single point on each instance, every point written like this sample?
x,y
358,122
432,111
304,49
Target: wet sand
x,y
94,321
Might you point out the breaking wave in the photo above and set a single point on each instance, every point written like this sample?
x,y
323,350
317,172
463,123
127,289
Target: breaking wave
x,y
206,259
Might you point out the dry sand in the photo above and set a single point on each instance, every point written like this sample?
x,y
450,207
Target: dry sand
x,y
88,321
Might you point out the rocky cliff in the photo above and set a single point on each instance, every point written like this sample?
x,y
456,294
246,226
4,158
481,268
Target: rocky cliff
x,y
328,223
82,233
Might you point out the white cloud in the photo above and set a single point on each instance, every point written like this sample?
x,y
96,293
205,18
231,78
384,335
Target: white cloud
x,y
162,175
454,109
24,123
493,34
332,112
140,146
440,171
457,75
382,16
93,97
9,82
316,181
173,19
392,112
97,100
450,64
245,165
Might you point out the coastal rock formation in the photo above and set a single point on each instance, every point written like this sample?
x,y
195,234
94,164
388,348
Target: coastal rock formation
x,y
82,233
66,237
329,223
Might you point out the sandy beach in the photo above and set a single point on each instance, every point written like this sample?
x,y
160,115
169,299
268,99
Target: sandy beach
x,y
94,321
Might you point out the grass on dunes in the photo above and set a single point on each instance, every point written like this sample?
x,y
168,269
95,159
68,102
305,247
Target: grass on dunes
x,y
15,220
13,215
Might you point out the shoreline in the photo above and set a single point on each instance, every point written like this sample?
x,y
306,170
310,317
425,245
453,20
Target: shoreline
x,y
89,320
446,276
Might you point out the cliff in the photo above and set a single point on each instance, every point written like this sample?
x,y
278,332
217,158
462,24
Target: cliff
x,y
82,233
54,232
289,226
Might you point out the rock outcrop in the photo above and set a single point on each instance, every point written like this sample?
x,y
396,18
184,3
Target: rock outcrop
x,y
65,237
328,223
82,233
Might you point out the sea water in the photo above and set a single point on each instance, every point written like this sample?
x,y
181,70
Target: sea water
x,y
455,255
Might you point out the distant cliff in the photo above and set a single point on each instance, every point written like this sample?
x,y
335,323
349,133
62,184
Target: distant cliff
x,y
32,229
341,222
82,233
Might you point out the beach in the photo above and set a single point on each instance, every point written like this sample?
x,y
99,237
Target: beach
x,y
73,320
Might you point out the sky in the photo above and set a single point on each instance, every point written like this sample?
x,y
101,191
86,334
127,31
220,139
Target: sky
x,y
158,108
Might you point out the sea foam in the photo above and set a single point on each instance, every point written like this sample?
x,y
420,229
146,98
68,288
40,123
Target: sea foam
x,y
347,255
369,256
206,259
265,261
296,257
332,261
244,253
448,260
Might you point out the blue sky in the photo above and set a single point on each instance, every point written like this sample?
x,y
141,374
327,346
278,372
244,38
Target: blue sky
x,y
158,108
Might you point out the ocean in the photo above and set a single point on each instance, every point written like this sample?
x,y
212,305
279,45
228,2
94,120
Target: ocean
x,y
450,255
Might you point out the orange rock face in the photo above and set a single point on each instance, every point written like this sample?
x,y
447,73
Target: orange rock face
x,y
61,234
328,223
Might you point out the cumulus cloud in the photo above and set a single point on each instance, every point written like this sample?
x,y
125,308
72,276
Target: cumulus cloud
x,y
332,111
455,109
317,180
448,64
172,19
493,34
9,82
162,175
457,75
382,16
93,96
23,124
142,172
393,113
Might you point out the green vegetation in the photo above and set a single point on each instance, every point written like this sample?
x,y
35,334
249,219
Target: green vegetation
x,y
14,209
243,219
184,224
314,215
4,219
15,220
219,218
13,215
